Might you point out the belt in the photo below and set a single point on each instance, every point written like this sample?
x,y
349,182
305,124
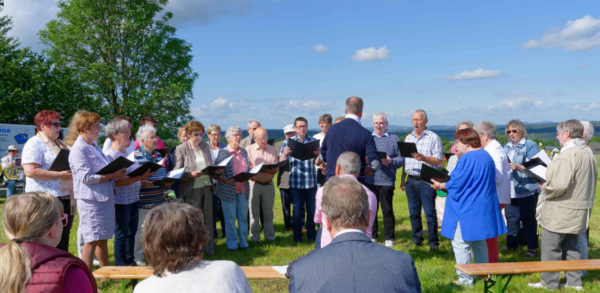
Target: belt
x,y
414,177
264,183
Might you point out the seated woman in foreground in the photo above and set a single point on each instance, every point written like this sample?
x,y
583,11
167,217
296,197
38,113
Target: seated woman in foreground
x,y
173,239
30,261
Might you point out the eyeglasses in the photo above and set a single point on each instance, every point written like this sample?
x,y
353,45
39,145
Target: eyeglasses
x,y
301,126
56,124
509,131
12,151
65,219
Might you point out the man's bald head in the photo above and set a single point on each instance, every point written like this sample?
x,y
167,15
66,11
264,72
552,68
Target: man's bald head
x,y
354,105
261,137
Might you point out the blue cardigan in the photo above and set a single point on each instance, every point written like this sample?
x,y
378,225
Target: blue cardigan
x,y
472,199
523,152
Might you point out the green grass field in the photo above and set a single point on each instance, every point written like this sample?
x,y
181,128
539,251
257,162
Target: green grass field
x,y
435,269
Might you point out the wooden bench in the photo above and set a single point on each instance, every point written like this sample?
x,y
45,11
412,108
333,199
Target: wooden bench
x,y
140,273
487,271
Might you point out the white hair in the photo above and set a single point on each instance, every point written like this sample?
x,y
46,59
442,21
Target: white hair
x,y
250,123
231,130
422,112
588,130
144,131
379,115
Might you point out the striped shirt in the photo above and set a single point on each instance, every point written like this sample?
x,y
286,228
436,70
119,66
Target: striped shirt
x,y
303,174
150,196
429,144
127,194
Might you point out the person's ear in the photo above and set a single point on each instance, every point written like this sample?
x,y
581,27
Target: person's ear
x,y
328,227
52,232
338,170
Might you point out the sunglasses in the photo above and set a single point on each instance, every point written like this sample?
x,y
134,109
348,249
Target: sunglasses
x,y
12,151
509,131
57,124
65,219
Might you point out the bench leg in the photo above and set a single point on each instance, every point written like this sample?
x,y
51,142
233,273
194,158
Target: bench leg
x,y
489,283
123,285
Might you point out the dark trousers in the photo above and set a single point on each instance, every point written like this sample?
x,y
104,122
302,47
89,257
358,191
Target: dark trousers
x,y
521,210
384,195
64,241
303,200
420,195
218,213
126,224
286,206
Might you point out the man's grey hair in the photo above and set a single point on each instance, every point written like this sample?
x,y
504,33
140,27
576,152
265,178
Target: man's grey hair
x,y
354,105
422,112
516,123
345,203
349,162
114,128
144,131
588,130
486,127
574,127
380,115
467,123
250,123
231,130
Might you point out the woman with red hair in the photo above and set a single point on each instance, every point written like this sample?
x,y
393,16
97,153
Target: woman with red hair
x,y
472,212
38,155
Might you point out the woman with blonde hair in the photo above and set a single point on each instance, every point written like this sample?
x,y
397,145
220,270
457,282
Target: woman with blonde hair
x,y
174,240
30,261
95,193
196,187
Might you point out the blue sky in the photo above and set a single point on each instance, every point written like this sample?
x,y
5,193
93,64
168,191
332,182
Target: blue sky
x,y
477,60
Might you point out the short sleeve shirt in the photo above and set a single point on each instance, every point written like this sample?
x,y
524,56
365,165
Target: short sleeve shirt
x,y
37,152
429,144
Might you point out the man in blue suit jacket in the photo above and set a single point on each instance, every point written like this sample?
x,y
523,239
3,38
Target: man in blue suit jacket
x,y
350,135
351,263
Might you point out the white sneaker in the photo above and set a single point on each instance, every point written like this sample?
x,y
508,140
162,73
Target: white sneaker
x,y
576,288
389,243
536,285
96,262
140,263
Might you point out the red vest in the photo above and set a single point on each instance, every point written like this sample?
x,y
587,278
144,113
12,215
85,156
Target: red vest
x,y
49,266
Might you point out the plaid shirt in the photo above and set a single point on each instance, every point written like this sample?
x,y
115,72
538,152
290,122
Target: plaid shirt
x,y
430,145
303,174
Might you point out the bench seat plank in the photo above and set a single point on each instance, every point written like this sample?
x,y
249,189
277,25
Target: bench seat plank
x,y
511,268
133,273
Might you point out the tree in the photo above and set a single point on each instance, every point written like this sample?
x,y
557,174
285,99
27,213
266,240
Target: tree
x,y
30,83
128,58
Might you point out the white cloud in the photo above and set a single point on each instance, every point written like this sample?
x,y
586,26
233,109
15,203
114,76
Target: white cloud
x,y
371,54
577,35
306,106
320,48
475,74
29,17
588,107
221,107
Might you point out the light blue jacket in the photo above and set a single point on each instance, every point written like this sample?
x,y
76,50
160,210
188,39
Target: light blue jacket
x,y
523,152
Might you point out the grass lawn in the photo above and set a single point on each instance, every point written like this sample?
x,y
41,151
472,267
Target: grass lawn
x,y
435,269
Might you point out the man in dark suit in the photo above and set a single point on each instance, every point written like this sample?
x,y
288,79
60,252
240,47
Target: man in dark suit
x,y
350,135
351,263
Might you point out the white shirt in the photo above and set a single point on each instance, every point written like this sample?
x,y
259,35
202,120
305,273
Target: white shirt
x,y
352,116
36,151
207,276
108,143
503,173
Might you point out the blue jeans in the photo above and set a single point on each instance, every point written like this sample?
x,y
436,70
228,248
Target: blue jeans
x,y
238,208
302,198
462,253
10,187
126,225
419,194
